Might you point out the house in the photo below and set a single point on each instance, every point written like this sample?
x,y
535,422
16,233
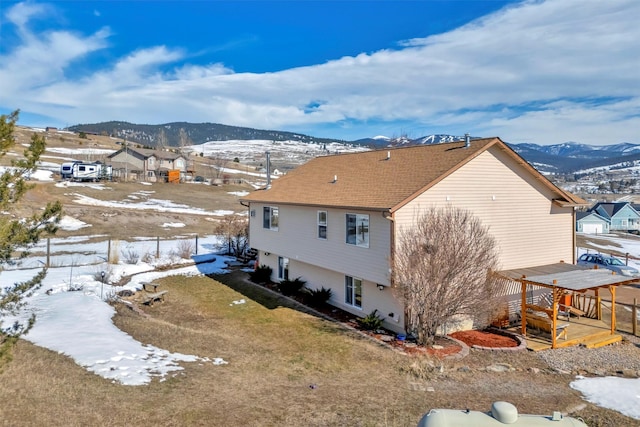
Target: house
x,y
141,164
621,215
333,221
591,223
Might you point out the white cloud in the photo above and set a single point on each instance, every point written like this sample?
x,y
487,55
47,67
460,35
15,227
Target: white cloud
x,y
21,13
576,62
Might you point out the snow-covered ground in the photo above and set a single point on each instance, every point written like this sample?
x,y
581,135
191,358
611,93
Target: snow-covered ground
x,y
74,316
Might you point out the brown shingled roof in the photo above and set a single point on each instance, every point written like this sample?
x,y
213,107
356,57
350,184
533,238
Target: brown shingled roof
x,y
146,153
370,180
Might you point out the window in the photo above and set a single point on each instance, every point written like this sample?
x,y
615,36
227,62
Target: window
x,y
353,291
322,224
270,218
283,268
358,230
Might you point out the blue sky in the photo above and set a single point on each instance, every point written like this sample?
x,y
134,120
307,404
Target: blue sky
x,y
527,71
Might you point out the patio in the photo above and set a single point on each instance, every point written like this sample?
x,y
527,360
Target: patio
x,y
572,307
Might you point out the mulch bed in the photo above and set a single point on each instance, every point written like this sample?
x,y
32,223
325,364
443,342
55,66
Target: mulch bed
x,y
485,339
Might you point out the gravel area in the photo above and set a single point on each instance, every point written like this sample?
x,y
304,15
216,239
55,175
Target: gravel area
x,y
621,359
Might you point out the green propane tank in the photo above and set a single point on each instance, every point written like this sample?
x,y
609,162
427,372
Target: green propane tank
x,y
502,413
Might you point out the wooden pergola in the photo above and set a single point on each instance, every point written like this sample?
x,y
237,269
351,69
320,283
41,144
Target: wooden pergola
x,y
561,278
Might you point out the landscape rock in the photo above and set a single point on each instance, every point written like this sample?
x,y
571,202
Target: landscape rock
x,y
500,367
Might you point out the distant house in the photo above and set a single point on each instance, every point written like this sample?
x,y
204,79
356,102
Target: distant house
x,y
591,223
334,220
51,129
621,215
141,164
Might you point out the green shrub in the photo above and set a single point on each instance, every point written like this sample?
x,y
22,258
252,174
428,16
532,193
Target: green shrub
x,y
291,287
262,274
371,321
319,297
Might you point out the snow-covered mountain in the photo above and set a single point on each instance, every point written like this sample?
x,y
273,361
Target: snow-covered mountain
x,y
558,158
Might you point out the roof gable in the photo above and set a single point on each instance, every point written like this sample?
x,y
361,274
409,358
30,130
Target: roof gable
x,y
146,153
382,179
611,209
590,216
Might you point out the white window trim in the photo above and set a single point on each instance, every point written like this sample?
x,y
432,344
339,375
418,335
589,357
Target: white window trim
x,y
322,224
352,295
283,264
358,218
271,210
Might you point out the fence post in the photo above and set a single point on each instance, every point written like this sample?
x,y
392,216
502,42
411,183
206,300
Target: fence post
x,y
48,264
158,247
109,251
196,244
626,258
634,312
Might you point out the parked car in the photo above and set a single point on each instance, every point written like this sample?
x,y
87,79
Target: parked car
x,y
608,262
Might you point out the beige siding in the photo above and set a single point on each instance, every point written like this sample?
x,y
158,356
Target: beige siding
x,y
128,158
318,277
296,239
517,208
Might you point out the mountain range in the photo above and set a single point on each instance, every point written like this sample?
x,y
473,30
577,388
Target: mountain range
x,y
568,157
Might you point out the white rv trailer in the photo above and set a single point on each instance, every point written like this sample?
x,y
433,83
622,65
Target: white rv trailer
x,y
83,171
66,170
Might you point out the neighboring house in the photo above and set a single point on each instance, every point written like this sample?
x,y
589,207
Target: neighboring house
x,y
591,223
333,221
140,164
621,215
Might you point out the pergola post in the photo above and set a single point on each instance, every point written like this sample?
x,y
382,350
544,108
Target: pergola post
x,y
554,317
612,289
523,310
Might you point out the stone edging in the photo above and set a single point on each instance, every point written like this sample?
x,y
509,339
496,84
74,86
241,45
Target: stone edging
x,y
464,352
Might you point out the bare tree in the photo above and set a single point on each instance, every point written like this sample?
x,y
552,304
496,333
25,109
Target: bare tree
x,y
442,272
183,140
217,164
235,231
162,142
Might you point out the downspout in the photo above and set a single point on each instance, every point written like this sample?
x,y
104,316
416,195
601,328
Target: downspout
x,y
575,242
392,250
248,232
392,242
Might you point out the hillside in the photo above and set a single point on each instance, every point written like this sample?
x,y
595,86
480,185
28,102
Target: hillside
x,y
569,157
183,133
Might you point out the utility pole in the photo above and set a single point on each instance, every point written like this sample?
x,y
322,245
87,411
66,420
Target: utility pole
x,y
126,160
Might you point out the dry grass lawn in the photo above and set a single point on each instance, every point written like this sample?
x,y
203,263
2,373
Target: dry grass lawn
x,y
276,353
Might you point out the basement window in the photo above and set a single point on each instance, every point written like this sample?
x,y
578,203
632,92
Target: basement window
x,y
353,291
